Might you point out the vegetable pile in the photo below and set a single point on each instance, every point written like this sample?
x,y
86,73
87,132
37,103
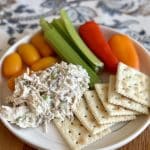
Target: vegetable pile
x,y
89,47
86,46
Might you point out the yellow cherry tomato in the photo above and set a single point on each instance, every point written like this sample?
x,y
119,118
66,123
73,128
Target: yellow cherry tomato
x,y
28,53
42,46
43,63
12,65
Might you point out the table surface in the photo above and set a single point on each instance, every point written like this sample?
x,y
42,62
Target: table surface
x,y
10,142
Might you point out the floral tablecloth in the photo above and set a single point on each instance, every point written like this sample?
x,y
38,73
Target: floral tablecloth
x,y
22,17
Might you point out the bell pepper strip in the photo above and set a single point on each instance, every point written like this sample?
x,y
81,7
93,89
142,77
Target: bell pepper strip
x,y
123,48
94,38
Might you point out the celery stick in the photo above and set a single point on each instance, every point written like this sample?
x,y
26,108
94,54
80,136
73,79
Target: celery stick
x,y
91,58
59,25
64,50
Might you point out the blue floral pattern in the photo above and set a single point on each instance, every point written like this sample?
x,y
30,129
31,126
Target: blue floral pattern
x,y
130,16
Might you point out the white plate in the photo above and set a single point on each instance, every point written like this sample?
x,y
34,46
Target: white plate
x,y
52,140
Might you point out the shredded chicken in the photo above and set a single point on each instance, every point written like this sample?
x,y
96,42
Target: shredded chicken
x,y
42,96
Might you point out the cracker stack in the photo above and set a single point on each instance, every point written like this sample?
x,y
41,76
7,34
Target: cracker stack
x,y
126,95
120,100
